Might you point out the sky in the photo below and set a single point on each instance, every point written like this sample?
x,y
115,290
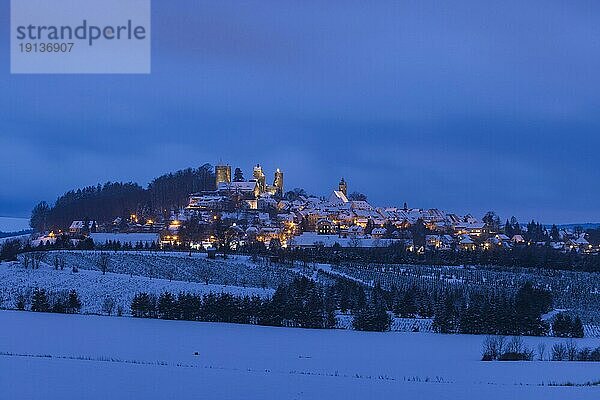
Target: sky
x,y
466,106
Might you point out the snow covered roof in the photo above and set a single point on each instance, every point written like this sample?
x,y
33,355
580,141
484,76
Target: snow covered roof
x,y
338,197
309,239
471,225
465,239
517,238
81,224
581,240
360,205
249,186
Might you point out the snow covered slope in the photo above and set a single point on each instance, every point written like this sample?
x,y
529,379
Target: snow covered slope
x,y
236,270
93,287
75,357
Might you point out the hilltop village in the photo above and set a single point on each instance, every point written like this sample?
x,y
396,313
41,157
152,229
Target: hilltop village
x,y
240,212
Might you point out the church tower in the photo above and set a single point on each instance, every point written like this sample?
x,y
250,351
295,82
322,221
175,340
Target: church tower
x,y
343,187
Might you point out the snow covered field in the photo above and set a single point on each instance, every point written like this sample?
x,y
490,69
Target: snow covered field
x,y
235,271
10,224
93,287
57,356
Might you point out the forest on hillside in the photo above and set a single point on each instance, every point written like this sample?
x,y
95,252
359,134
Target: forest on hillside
x,y
102,203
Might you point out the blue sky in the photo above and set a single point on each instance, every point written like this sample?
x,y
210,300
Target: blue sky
x,y
466,106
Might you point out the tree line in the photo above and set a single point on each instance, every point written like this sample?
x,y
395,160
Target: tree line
x,y
302,303
104,203
40,300
398,253
494,313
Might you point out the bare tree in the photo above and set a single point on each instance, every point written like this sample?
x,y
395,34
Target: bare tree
x,y
103,262
542,351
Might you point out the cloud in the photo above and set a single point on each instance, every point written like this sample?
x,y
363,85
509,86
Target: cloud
x,y
466,106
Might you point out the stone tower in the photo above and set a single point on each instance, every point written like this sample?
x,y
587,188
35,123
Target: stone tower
x,y
222,174
258,174
278,182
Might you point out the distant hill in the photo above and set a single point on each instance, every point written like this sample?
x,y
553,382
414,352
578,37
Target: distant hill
x,y
11,224
587,225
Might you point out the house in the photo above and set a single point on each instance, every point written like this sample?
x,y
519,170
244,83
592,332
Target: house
x,y
433,241
580,244
473,228
517,239
206,202
83,227
466,243
378,233
502,237
325,227
248,189
439,242
356,231
447,242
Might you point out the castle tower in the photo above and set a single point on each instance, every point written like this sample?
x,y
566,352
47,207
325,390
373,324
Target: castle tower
x,y
258,174
343,187
222,174
278,182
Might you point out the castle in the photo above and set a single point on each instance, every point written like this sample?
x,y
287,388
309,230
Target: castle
x,y
257,185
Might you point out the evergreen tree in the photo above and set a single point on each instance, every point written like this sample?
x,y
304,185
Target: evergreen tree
x,y
39,217
373,318
562,325
73,303
39,301
167,306
238,175
554,234
577,328
492,221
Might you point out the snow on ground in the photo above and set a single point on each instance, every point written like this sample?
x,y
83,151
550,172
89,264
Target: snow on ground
x,y
312,238
195,267
10,224
131,238
54,356
93,287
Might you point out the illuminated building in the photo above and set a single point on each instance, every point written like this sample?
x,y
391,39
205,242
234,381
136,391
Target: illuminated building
x,y
222,174
278,183
258,174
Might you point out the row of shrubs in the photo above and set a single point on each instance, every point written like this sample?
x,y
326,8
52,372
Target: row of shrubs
x,y
40,300
501,349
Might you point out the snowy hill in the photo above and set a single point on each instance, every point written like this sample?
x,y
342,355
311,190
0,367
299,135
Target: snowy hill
x,y
98,358
93,287
236,271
